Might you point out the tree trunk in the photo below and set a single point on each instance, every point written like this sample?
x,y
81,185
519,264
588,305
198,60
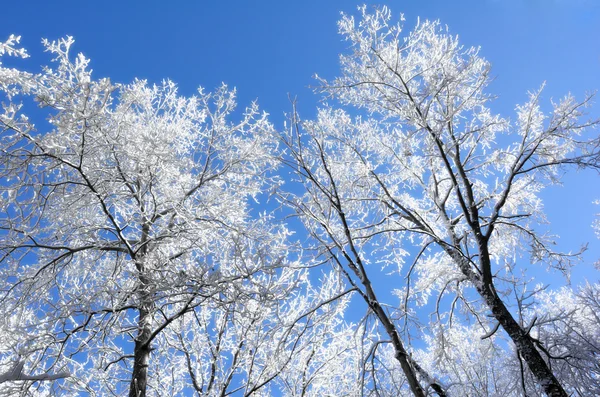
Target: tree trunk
x,y
524,344
401,354
141,354
409,366
141,351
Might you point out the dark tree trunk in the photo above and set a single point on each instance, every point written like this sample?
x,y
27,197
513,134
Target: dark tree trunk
x,y
141,351
401,354
524,344
141,354
409,366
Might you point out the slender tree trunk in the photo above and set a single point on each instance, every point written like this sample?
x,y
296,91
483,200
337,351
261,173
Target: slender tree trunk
x,y
409,366
484,284
401,354
524,344
437,388
141,354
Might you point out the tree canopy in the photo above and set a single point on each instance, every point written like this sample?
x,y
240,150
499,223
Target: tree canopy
x,y
138,256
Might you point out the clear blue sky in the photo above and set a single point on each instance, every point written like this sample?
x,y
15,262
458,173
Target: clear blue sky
x,y
268,49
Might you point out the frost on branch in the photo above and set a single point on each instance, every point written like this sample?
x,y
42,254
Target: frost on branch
x,y
16,374
9,47
408,167
127,237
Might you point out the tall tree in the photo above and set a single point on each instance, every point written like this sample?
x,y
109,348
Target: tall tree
x,y
430,167
122,215
340,225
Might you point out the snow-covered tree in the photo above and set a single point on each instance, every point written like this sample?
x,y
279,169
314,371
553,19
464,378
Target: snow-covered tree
x,y
335,217
564,322
126,238
133,259
427,182
567,324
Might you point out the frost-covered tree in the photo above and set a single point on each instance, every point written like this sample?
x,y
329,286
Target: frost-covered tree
x,y
126,240
131,261
335,219
567,324
261,346
428,183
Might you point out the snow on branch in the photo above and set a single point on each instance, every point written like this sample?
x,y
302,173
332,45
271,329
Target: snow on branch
x,y
16,374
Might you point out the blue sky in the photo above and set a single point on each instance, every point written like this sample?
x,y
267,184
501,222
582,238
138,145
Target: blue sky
x,y
269,49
